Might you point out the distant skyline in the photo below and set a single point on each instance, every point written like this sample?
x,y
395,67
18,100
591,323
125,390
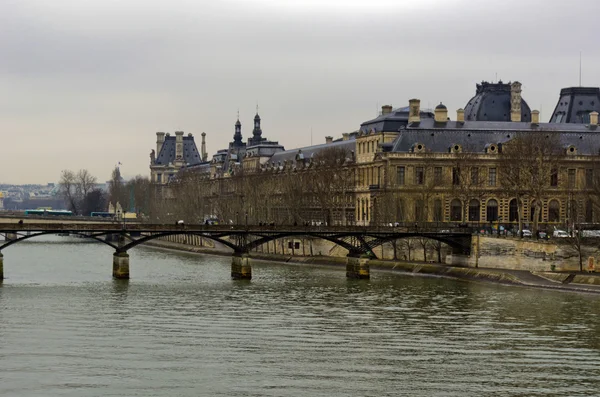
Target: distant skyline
x,y
89,83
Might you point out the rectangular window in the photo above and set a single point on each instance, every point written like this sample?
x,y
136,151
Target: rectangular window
x,y
589,178
554,178
475,176
437,175
571,179
419,175
456,176
492,176
400,173
159,178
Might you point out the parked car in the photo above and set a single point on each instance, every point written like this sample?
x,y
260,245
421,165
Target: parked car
x,y
560,233
525,233
543,235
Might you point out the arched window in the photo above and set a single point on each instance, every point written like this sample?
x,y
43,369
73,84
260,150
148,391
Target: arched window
x,y
456,210
437,211
554,211
492,210
533,212
474,210
513,211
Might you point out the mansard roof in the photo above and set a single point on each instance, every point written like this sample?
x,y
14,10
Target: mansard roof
x,y
478,135
391,122
310,151
191,156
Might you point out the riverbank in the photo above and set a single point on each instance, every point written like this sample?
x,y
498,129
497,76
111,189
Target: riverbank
x,y
568,281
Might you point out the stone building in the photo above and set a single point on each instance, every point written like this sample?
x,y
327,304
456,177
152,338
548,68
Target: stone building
x,y
411,165
174,153
413,173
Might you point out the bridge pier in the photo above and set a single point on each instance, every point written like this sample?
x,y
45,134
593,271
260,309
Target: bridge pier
x,y
357,267
240,267
121,265
458,257
1,266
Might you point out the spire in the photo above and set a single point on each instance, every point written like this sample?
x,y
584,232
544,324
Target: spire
x,y
257,131
237,136
203,150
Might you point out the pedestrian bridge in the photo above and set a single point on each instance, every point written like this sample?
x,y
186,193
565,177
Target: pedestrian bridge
x,y
358,240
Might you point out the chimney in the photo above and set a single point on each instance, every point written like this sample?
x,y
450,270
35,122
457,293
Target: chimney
x,y
535,117
386,109
328,139
160,139
441,113
460,115
345,136
178,144
414,111
594,119
515,101
203,152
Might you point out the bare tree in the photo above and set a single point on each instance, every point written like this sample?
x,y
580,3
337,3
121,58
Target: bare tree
x,y
468,180
332,181
67,186
545,155
75,188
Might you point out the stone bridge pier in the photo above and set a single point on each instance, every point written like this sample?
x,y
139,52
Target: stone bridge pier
x,y
240,267
458,257
357,266
121,265
1,266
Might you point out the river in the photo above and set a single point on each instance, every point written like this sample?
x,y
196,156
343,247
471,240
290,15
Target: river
x,y
182,327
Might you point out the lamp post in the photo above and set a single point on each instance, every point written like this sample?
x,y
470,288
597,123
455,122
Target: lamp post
x,y
246,219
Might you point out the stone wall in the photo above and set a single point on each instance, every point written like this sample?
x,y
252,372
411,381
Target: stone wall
x,y
532,255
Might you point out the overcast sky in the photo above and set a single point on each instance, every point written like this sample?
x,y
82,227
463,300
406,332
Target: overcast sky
x,y
87,83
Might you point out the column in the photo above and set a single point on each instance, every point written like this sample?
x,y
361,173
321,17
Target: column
x,y
121,265
240,267
357,267
1,266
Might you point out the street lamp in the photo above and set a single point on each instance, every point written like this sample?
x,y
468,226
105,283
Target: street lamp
x,y
246,218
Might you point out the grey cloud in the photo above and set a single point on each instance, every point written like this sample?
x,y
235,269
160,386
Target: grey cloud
x,y
116,72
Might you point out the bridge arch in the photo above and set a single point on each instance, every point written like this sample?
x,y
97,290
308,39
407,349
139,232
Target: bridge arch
x,y
26,237
150,237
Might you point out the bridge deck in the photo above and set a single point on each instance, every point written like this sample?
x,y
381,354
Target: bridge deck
x,y
118,227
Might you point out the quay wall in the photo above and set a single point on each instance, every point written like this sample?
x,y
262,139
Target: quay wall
x,y
486,252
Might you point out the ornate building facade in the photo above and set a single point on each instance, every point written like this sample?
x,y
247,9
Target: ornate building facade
x,y
496,162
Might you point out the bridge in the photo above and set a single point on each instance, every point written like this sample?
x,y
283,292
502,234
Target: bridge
x,y
358,241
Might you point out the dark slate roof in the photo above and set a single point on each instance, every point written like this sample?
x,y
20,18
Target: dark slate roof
x,y
477,135
492,103
309,151
191,156
575,104
391,122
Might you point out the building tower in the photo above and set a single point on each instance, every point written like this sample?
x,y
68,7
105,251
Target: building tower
x,y
257,131
575,105
237,136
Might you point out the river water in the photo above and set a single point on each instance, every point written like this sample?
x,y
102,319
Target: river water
x,y
181,327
